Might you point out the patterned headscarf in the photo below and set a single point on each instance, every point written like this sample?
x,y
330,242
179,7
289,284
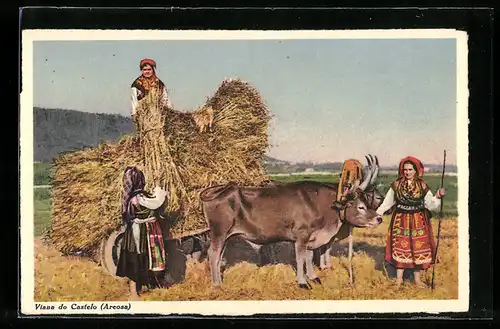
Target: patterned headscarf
x,y
146,61
146,84
416,162
133,184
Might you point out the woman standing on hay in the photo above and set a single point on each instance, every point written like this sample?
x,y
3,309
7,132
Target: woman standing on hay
x,y
142,251
410,240
146,83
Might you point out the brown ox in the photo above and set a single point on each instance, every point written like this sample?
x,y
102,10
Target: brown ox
x,y
305,213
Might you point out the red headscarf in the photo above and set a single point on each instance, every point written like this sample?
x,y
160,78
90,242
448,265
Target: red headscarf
x,y
146,61
146,84
416,162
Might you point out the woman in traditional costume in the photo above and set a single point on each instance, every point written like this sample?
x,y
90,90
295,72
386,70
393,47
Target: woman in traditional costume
x,y
142,250
146,83
410,239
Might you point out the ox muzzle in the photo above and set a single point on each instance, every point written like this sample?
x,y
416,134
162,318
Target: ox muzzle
x,y
341,209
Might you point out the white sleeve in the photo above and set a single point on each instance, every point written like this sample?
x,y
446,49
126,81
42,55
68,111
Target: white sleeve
x,y
388,202
155,201
431,202
134,99
165,100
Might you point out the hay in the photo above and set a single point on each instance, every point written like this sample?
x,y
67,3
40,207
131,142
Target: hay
x,y
224,140
62,279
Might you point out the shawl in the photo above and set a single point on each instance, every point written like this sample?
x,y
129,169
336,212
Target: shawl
x,y
144,85
133,184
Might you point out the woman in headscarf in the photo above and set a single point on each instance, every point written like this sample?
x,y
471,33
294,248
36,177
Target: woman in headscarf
x,y
147,82
410,239
142,251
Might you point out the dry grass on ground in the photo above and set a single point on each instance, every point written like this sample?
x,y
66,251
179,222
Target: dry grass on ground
x,y
60,278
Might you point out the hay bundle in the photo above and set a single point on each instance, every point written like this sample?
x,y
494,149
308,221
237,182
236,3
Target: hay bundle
x,y
224,140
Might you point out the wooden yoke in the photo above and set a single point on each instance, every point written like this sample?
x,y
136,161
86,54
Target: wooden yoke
x,y
352,170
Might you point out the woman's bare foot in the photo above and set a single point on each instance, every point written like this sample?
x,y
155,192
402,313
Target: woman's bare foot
x,y
420,284
399,277
134,297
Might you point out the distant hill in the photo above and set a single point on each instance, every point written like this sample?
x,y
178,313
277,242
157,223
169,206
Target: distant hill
x,y
58,130
280,166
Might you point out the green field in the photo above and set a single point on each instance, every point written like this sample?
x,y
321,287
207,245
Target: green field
x,y
42,173
384,181
42,209
42,198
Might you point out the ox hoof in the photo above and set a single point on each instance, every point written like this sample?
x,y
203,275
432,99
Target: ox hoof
x,y
305,286
316,280
216,287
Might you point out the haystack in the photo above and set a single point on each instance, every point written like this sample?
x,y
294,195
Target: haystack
x,y
224,140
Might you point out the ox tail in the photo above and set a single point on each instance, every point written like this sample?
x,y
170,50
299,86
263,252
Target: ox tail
x,y
213,192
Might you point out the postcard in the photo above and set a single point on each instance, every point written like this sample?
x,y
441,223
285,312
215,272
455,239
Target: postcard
x,y
246,172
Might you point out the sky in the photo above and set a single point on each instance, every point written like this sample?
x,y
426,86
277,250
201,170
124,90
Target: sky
x,y
331,99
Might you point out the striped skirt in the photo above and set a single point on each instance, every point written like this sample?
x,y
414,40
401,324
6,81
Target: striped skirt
x,y
135,262
410,241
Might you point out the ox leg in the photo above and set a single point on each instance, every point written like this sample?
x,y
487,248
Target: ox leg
x,y
196,256
311,274
300,256
196,252
325,260
214,258
328,256
322,261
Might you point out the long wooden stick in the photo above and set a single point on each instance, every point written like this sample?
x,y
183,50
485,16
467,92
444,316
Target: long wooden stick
x,y
350,252
439,224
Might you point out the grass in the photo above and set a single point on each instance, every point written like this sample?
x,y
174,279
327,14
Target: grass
x,y
59,278
42,204
42,200
42,173
384,181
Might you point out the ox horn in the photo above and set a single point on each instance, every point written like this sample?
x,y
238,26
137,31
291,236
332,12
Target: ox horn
x,y
368,159
375,172
368,177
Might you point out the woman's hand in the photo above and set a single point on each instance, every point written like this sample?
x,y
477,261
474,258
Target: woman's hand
x,y
440,193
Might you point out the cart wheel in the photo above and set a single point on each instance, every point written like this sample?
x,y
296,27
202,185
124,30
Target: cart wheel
x,y
111,250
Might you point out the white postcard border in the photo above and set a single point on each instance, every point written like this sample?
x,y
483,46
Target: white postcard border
x,y
238,307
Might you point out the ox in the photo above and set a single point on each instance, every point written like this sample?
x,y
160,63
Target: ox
x,y
305,213
373,200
